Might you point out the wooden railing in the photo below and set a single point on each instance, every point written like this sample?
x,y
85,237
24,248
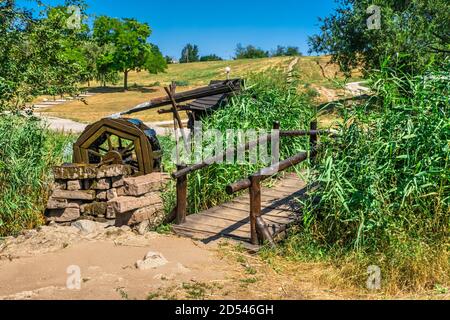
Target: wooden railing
x,y
259,230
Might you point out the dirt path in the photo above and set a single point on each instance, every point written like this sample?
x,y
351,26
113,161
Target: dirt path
x,y
35,265
356,88
67,125
58,124
293,63
290,69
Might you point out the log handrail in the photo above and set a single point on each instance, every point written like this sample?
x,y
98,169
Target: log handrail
x,y
269,172
260,231
293,133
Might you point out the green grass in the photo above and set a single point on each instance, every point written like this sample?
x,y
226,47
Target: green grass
x,y
27,152
201,73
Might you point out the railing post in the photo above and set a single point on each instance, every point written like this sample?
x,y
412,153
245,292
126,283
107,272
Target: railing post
x,y
255,207
313,137
276,125
181,197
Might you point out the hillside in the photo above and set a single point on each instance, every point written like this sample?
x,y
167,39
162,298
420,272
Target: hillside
x,y
145,86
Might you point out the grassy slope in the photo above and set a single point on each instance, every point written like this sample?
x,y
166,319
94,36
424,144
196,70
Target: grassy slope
x,y
142,88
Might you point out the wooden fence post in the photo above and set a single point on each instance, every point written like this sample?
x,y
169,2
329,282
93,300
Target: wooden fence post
x,y
255,207
276,125
181,197
313,137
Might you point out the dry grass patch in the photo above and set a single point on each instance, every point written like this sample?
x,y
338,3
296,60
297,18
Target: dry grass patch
x,y
201,73
108,101
270,276
144,86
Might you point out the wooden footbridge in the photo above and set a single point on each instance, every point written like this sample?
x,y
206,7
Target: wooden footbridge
x,y
255,218
279,208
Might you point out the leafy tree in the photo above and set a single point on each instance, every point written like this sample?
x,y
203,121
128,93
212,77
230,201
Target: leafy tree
x,y
189,54
211,57
39,53
293,51
104,65
412,34
128,48
250,52
290,51
169,59
155,61
62,53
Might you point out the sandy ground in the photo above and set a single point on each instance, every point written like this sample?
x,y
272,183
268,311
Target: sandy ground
x,y
36,265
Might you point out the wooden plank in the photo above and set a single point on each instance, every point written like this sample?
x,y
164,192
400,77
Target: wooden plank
x,y
207,235
268,205
210,100
270,197
222,224
278,204
292,183
240,231
279,193
239,217
269,213
288,189
242,213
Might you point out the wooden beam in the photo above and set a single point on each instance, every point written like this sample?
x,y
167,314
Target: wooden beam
x,y
171,92
211,90
263,232
255,208
181,198
281,166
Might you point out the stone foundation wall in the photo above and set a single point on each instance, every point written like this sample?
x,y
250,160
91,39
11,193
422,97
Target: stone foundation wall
x,y
105,194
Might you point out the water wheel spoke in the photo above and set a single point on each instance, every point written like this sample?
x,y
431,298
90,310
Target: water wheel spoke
x,y
134,163
128,151
110,145
95,153
107,161
130,147
127,154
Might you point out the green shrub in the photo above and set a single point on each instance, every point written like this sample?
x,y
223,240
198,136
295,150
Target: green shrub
x,y
385,184
27,152
182,83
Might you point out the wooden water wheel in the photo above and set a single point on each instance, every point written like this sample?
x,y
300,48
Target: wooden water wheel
x,y
119,141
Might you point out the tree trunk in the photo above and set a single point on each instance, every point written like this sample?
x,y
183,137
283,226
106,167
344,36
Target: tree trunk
x,y
125,80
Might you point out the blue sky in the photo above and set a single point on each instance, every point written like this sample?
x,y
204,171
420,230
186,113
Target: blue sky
x,y
218,26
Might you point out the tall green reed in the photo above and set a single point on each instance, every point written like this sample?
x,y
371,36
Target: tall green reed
x,y
385,183
27,152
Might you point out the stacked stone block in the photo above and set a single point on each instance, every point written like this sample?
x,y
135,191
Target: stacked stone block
x,y
105,194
